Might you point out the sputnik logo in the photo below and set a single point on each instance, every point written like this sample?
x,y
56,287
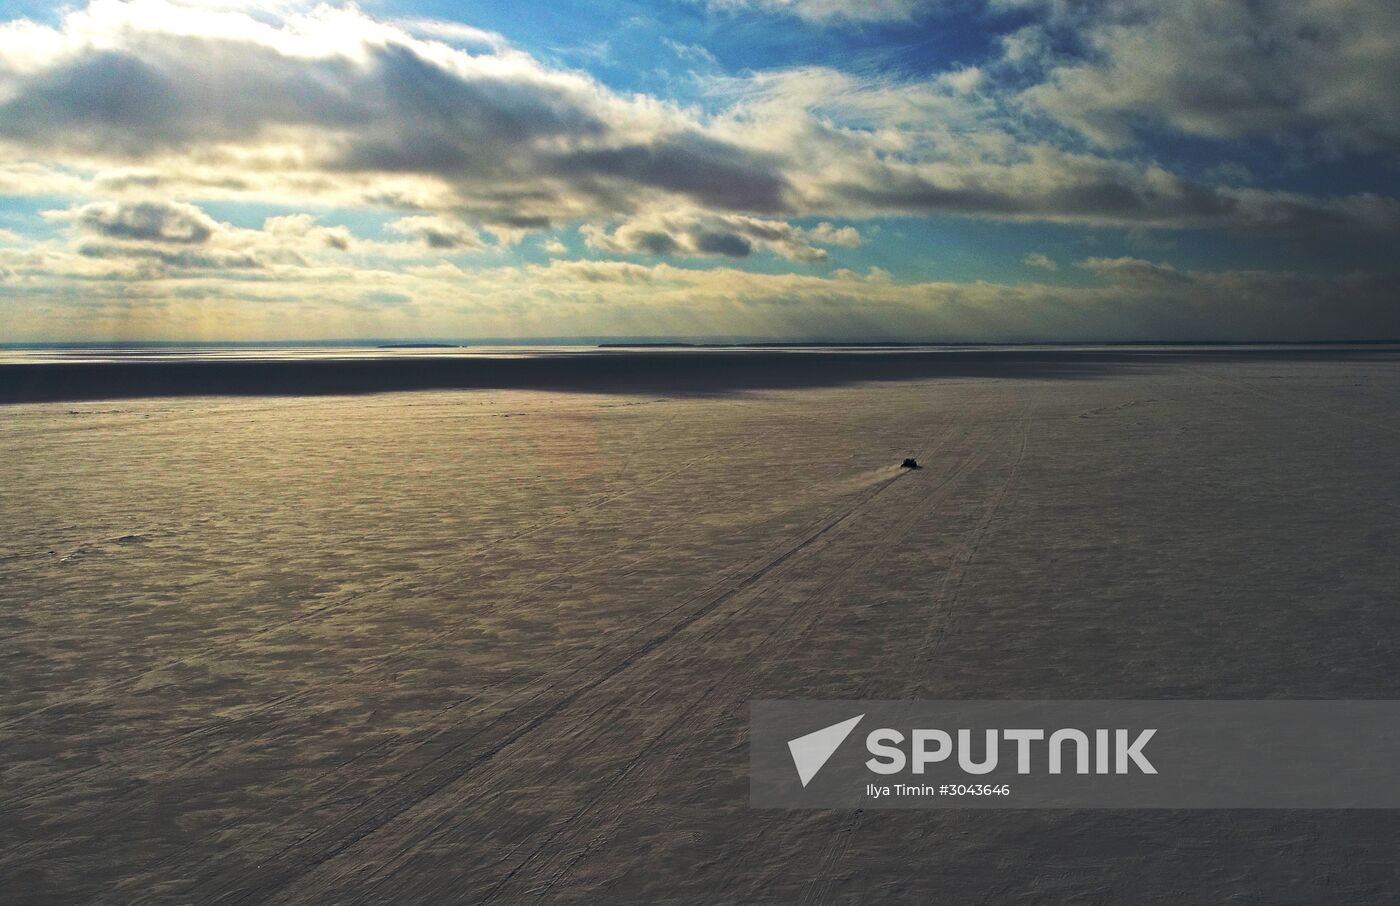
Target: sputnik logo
x,y
812,751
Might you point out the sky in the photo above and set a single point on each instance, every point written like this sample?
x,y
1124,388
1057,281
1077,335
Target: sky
x,y
946,170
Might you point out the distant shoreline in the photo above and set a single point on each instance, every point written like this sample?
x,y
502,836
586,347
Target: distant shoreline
x,y
1076,344
684,371
650,343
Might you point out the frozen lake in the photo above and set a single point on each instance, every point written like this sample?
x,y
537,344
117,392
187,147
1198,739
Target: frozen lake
x,y
497,643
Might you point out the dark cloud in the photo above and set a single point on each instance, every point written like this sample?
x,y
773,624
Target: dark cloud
x,y
512,140
190,259
1075,188
439,240
521,221
1319,73
728,244
439,232
171,91
707,171
655,243
165,221
181,236
698,232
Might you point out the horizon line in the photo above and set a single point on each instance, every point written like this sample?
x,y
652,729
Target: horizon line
x,y
663,341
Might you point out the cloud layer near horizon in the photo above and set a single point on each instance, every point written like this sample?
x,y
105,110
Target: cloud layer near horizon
x,y
308,290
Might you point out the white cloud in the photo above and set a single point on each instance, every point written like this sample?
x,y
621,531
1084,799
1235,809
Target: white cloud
x,y
693,53
439,232
828,10
454,33
1040,260
826,234
1135,271
1325,72
304,227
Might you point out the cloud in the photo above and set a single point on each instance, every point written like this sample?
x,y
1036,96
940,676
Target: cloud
x,y
131,111
304,227
1324,72
1050,185
1041,261
693,233
180,259
454,33
157,100
825,11
826,234
136,240
1135,271
866,146
438,232
333,101
52,286
163,222
693,53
